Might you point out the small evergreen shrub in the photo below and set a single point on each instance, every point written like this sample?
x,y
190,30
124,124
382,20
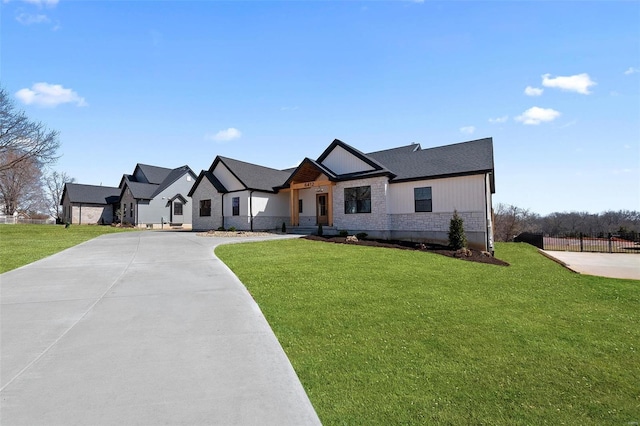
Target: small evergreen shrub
x,y
232,229
457,239
344,233
320,232
361,235
220,228
284,227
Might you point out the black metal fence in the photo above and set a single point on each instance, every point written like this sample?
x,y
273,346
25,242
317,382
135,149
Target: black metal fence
x,y
579,242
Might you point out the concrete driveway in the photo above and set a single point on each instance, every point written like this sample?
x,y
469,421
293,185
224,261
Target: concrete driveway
x,y
612,265
143,328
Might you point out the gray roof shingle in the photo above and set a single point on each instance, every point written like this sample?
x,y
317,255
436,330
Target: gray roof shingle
x,y
412,163
91,194
154,174
253,176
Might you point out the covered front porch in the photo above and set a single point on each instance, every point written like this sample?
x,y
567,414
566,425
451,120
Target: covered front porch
x,y
310,195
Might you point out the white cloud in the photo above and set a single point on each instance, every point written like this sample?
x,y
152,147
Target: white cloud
x,y
533,91
499,120
631,70
28,19
49,95
537,115
579,83
467,130
225,135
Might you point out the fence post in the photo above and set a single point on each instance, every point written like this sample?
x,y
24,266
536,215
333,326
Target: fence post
x,y
581,242
610,251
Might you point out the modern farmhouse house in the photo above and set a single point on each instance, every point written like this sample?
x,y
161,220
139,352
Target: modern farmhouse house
x,y
400,193
150,197
89,204
154,196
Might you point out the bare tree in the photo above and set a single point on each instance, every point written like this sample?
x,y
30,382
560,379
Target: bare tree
x,y
510,221
21,186
24,139
54,183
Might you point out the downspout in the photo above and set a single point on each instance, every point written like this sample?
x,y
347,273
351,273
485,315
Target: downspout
x,y
251,209
486,214
222,210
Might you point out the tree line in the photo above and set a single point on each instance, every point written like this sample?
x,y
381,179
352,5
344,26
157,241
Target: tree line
x,y
28,150
509,221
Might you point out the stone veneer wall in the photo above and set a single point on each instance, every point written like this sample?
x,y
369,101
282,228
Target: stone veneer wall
x,y
260,223
434,227
473,221
377,220
206,191
91,215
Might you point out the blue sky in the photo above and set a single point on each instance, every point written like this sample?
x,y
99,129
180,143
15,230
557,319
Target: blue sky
x,y
169,83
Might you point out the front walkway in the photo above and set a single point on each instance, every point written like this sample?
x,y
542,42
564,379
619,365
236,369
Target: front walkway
x,y
140,328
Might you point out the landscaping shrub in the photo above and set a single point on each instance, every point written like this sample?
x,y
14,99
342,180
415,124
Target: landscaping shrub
x,y
457,239
361,235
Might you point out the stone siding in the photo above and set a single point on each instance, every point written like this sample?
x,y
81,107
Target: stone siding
x,y
377,220
473,221
206,191
91,215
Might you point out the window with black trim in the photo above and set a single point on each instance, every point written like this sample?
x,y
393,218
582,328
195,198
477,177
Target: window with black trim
x,y
131,210
205,207
422,199
357,200
235,206
299,206
177,208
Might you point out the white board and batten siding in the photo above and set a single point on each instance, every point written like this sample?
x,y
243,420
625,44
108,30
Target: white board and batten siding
x,y
460,193
227,178
341,161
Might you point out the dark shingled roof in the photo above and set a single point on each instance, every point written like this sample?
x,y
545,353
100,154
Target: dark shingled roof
x,y
91,194
253,176
412,163
140,190
154,174
173,176
148,190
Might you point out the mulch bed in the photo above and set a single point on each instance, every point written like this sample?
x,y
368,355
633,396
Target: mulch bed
x,y
468,255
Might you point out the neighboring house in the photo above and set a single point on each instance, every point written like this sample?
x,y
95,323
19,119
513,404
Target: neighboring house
x,y
400,193
153,197
89,204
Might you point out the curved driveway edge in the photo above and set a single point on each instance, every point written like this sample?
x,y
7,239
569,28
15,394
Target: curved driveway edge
x,y
141,328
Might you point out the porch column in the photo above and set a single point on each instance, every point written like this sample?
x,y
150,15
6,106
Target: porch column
x,y
295,220
330,204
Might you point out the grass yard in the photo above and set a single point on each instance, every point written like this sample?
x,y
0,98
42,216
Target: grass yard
x,y
23,244
381,336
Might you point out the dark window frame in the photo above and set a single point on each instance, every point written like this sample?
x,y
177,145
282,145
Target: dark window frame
x,y
178,208
357,199
423,199
205,207
299,205
235,206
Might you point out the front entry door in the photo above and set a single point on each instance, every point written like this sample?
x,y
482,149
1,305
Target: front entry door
x,y
322,215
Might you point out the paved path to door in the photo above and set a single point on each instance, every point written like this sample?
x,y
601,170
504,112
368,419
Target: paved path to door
x,y
143,328
613,265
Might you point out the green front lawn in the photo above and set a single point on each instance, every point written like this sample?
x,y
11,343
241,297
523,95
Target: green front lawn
x,y
23,244
383,336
